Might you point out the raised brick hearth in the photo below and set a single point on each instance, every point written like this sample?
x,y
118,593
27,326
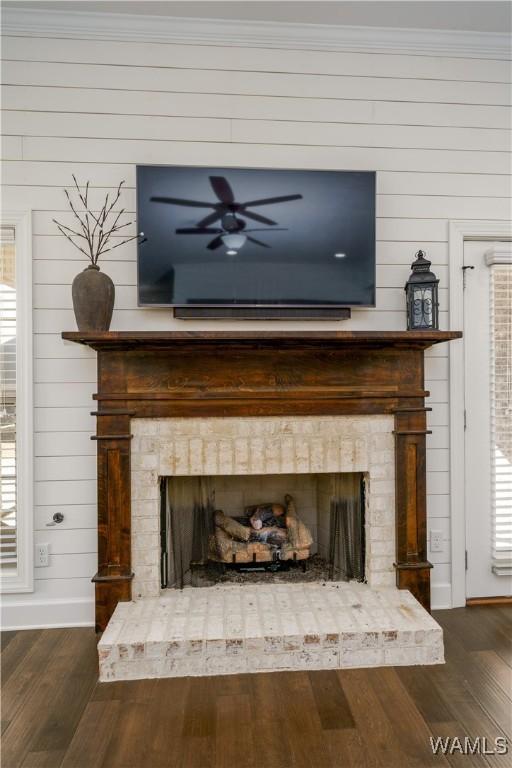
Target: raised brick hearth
x,y
253,628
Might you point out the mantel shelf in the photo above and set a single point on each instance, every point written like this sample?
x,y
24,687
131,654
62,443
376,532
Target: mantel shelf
x,y
280,339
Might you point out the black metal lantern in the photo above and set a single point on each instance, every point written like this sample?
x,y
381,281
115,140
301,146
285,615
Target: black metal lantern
x,y
422,296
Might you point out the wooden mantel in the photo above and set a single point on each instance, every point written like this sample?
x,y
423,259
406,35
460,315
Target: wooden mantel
x,y
152,339
261,373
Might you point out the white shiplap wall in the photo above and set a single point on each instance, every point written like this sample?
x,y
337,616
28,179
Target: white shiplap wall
x,y
434,128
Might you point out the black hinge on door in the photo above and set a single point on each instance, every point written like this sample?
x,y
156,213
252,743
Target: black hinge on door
x,y
465,421
466,559
466,266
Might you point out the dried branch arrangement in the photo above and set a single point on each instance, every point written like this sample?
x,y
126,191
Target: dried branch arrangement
x,y
94,230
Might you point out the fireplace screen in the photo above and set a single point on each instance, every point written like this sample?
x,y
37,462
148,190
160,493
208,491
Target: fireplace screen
x,y
346,532
224,528
188,511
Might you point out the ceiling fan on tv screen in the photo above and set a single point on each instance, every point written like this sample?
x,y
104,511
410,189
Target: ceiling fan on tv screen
x,y
233,231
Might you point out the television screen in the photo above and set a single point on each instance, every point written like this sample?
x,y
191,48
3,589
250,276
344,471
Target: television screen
x,y
255,237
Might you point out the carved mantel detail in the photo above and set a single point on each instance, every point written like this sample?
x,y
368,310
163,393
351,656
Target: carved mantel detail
x,y
155,375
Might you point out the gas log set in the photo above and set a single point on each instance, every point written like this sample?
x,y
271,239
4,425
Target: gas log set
x,y
265,534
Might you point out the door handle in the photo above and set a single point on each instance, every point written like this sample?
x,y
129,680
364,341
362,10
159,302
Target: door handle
x,y
57,518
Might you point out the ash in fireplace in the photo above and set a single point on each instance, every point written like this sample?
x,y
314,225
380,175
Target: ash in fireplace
x,y
211,574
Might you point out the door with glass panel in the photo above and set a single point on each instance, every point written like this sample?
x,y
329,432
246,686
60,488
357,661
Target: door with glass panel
x,y
488,418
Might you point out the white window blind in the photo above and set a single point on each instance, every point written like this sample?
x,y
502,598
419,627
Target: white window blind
x,y
501,411
8,522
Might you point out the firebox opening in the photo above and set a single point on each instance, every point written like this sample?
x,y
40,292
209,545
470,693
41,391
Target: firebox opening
x,y
283,527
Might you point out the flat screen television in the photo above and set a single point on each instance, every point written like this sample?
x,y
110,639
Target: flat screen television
x,y
233,237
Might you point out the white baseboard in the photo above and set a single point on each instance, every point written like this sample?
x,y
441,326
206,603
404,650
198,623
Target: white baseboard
x,y
48,614
440,596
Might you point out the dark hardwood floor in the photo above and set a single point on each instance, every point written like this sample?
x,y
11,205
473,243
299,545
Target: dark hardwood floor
x,y
56,715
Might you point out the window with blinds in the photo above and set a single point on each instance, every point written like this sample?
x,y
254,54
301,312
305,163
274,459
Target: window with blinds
x,y
501,416
8,529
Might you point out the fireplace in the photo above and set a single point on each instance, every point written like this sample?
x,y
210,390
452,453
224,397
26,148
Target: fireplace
x,y
276,528
247,405
320,461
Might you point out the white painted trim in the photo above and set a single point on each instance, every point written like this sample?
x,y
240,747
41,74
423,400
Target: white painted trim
x,y
257,34
459,231
23,581
440,596
48,614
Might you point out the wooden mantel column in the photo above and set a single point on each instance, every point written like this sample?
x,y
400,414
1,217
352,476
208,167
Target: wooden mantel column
x,y
271,373
113,578
412,565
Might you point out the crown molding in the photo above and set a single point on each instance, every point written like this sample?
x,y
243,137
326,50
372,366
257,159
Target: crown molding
x,y
257,34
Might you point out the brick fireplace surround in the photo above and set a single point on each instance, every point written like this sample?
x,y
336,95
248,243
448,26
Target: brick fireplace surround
x,y
268,445
224,403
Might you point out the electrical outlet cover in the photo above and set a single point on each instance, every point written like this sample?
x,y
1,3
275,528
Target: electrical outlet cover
x,y
436,541
42,555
